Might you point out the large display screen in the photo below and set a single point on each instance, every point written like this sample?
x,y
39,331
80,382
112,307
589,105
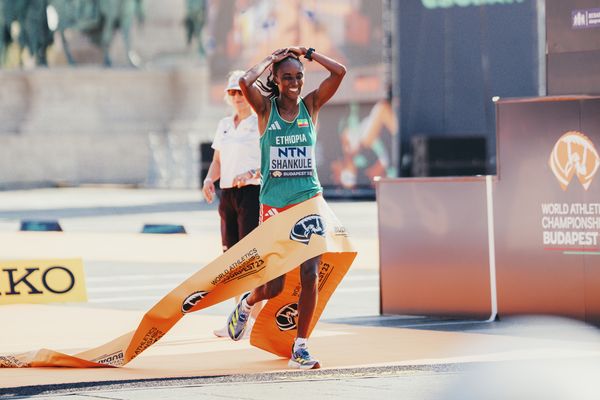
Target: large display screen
x,y
357,126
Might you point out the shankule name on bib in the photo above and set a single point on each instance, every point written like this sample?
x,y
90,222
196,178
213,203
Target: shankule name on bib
x,y
291,164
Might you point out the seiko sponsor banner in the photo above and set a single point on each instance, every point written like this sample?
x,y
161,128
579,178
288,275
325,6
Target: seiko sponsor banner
x,y
266,253
585,19
291,161
42,281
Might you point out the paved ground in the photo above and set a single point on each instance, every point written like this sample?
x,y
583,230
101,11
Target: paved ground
x,y
368,355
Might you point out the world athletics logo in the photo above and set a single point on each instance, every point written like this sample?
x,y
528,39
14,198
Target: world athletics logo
x,y
574,154
306,227
192,300
286,317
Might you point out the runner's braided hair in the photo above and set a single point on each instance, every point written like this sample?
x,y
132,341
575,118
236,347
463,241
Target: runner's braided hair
x,y
270,87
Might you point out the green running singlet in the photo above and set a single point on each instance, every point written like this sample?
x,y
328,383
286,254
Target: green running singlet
x,y
288,165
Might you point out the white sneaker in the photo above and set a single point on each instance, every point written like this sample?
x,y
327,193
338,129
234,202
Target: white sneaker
x,y
302,359
248,330
221,332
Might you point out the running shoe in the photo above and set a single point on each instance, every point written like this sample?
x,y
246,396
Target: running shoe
x,y
221,332
302,359
248,330
237,321
224,331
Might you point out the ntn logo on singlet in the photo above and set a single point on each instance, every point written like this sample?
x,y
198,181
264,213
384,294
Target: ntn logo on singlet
x,y
574,154
292,152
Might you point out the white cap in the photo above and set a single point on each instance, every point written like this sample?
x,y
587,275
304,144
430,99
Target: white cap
x,y
234,80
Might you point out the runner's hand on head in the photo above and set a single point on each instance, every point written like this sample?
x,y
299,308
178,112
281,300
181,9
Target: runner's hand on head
x,y
297,50
279,55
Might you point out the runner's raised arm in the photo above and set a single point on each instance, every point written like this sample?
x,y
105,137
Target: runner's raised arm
x,y
258,102
315,99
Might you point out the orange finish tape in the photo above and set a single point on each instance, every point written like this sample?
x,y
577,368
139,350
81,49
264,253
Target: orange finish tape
x,y
275,248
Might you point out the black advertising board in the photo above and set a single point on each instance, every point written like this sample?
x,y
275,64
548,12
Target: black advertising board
x,y
573,46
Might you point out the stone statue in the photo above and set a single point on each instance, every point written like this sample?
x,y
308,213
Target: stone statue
x,y
9,13
32,34
195,18
35,34
99,20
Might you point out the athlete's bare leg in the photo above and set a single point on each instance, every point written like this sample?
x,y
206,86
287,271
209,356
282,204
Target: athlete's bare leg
x,y
309,280
266,291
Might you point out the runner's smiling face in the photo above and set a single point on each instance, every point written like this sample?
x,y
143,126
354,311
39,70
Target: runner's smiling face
x,y
290,77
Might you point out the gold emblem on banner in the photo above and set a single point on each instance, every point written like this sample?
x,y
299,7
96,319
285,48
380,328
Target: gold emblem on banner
x,y
574,154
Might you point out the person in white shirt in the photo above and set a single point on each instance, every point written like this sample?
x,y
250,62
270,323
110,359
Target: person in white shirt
x,y
236,162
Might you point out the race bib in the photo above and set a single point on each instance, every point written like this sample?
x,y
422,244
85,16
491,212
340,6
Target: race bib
x,y
291,162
